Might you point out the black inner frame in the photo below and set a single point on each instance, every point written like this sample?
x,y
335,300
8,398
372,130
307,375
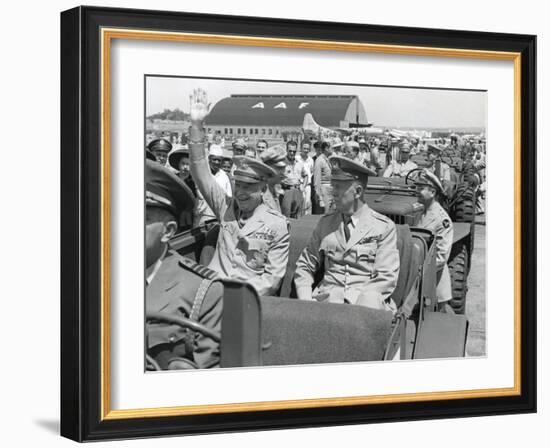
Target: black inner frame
x,y
81,223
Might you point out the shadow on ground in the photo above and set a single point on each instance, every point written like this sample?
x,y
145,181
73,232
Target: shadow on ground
x,y
49,425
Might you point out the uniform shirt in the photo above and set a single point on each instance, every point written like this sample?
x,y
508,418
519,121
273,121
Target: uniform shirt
x,y
172,288
436,219
396,169
203,212
322,171
271,197
256,252
443,172
361,271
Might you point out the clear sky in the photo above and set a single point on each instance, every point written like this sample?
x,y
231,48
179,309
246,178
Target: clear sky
x,y
385,106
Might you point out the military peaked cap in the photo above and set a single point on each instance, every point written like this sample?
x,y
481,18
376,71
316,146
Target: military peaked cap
x,y
166,190
274,156
160,144
346,169
251,170
426,177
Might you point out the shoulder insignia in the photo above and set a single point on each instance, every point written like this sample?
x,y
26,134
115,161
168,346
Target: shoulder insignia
x,y
381,217
274,212
198,269
446,223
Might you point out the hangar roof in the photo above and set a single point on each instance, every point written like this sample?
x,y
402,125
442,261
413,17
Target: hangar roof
x,y
279,110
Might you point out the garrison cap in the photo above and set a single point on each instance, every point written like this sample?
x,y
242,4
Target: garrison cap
x,y
347,169
251,170
166,190
160,144
406,147
353,145
426,177
434,148
176,155
274,156
336,142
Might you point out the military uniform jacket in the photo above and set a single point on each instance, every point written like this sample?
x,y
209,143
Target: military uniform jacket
x,y
397,169
257,252
322,171
436,219
361,271
175,290
271,199
441,170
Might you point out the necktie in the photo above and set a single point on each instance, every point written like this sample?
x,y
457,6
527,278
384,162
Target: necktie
x,y
347,224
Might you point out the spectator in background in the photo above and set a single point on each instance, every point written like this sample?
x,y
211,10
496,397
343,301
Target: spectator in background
x,y
293,183
261,146
401,165
160,149
239,147
321,179
203,211
308,162
178,160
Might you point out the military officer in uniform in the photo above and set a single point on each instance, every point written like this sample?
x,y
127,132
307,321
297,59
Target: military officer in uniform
x,y
253,242
436,219
402,167
275,157
321,179
438,167
356,245
160,149
176,286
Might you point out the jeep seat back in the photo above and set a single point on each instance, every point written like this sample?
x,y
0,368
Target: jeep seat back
x,y
309,332
209,246
411,258
300,232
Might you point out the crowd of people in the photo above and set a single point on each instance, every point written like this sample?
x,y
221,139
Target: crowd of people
x,y
252,192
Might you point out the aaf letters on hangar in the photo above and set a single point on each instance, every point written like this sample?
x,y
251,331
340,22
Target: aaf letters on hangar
x,y
307,280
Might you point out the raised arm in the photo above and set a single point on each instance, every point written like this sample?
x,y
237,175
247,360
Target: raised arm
x,y
213,194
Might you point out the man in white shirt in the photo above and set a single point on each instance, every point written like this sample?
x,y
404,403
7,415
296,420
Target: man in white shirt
x,y
308,163
293,183
203,211
401,167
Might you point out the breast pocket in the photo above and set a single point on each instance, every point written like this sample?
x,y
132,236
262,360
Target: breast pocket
x,y
365,255
255,252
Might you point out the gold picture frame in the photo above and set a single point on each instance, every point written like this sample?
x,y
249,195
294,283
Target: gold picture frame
x,y
104,27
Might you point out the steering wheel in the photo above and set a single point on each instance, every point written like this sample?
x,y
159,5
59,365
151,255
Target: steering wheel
x,y
182,322
408,176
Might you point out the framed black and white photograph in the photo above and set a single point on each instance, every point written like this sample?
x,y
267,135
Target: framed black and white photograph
x,y
278,224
